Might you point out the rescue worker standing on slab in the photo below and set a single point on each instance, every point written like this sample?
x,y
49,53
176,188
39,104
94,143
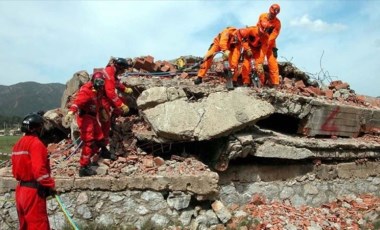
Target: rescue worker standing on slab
x,y
114,68
31,168
274,31
255,47
86,106
229,42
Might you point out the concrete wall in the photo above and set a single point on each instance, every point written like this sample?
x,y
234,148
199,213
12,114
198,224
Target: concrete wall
x,y
140,208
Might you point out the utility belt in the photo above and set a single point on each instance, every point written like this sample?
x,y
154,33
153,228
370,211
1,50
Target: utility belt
x,y
29,184
42,191
82,112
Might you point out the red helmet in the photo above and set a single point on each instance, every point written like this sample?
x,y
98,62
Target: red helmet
x,y
98,80
274,9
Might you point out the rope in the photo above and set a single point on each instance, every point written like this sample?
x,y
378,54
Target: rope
x,y
75,150
66,148
159,74
73,224
7,200
4,163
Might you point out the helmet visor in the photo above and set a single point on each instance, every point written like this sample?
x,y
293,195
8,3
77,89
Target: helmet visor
x,y
98,83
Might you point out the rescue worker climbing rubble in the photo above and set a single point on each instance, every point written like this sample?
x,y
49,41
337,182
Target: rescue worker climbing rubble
x,y
86,107
112,104
255,47
31,168
229,42
271,54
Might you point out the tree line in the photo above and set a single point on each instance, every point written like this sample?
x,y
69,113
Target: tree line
x,y
7,122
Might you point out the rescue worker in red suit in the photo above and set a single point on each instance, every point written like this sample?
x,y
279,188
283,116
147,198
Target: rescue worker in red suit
x,y
86,107
274,31
112,103
31,168
255,47
229,42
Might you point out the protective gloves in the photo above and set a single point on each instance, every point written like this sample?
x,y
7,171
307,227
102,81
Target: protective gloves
x,y
226,53
104,117
45,192
124,107
69,117
260,69
274,50
128,90
249,53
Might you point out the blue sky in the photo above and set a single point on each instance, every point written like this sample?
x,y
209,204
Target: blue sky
x,y
48,41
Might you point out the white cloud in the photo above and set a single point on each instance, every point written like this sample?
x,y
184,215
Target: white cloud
x,y
48,41
317,25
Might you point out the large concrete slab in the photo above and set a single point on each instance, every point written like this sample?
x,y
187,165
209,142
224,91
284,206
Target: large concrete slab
x,y
216,115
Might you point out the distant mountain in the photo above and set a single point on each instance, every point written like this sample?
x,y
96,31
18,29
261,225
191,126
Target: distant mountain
x,y
23,98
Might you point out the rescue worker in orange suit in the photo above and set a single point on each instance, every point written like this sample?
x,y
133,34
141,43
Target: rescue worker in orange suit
x,y
229,42
115,67
274,31
31,168
255,47
86,106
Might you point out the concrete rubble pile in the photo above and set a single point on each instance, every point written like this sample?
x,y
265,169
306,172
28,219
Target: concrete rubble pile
x,y
256,153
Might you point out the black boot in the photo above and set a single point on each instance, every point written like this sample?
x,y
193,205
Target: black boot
x,y
106,154
198,81
86,171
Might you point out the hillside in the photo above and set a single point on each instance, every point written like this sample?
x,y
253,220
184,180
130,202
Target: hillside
x,y
25,97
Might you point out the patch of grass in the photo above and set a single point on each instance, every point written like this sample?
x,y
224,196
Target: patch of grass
x,y
6,145
376,225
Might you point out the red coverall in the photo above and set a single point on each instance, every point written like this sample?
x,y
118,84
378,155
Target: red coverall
x,y
275,24
256,42
86,105
30,163
226,40
111,99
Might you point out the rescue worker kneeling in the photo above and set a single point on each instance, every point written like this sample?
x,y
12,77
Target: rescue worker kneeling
x,y
86,106
255,47
30,166
229,42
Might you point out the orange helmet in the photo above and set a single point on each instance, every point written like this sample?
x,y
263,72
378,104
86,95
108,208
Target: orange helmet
x,y
242,33
263,25
274,9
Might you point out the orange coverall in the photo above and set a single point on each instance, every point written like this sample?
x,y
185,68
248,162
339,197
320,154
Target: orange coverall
x,y
275,25
226,40
30,166
256,42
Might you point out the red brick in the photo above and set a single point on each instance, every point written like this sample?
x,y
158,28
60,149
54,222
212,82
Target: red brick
x,y
149,59
165,68
329,93
299,84
333,84
316,90
184,75
342,86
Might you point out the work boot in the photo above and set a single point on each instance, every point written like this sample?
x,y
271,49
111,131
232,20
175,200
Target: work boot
x,y
94,163
106,154
86,171
198,81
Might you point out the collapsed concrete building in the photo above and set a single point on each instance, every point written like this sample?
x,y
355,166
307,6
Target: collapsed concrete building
x,y
191,155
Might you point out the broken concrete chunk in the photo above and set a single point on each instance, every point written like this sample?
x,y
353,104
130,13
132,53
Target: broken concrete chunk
x,y
215,116
221,211
158,95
